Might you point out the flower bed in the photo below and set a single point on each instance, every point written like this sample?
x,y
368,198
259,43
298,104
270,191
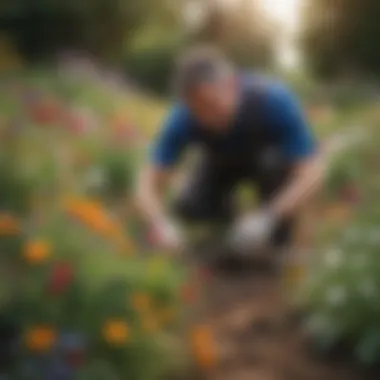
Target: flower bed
x,y
80,299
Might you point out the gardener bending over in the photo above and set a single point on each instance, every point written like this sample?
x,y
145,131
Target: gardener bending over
x,y
248,129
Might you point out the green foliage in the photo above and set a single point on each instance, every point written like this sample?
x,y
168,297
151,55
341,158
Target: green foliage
x,y
343,286
151,66
78,299
339,37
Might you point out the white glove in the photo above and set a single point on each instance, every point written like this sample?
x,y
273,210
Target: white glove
x,y
252,231
168,235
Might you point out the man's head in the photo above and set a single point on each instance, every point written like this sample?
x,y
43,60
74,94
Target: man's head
x,y
206,82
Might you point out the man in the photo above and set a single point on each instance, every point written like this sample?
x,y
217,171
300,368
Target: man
x,y
248,129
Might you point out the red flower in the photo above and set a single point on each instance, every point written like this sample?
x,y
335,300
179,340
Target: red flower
x,y
48,111
61,277
79,121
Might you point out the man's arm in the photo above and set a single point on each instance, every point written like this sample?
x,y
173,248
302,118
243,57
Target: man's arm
x,y
157,173
305,181
300,148
151,186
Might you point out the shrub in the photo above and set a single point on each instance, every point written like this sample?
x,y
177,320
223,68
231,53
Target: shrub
x,y
343,286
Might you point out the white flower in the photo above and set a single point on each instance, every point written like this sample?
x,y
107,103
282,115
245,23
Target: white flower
x,y
336,296
334,258
374,236
352,234
317,324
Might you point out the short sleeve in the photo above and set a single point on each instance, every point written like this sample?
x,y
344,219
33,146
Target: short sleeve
x,y
287,118
171,139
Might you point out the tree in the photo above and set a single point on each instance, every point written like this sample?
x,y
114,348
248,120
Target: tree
x,y
241,30
340,37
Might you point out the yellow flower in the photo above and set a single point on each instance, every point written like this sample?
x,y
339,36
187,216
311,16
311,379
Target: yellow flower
x,y
116,332
8,225
149,323
140,302
37,251
40,338
203,346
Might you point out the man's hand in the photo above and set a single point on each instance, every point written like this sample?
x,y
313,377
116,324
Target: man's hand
x,y
253,230
167,235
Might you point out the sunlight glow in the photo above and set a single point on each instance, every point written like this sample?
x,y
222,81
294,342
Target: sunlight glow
x,y
287,14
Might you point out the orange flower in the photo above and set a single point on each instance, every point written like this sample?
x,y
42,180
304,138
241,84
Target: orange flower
x,y
37,251
40,338
141,302
92,214
203,346
116,332
8,225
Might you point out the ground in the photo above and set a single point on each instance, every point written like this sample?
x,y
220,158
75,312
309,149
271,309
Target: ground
x,y
255,338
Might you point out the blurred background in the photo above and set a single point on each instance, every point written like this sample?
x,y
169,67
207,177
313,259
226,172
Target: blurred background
x,y
83,292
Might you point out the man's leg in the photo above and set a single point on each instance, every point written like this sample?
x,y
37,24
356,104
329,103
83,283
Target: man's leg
x,y
206,196
205,205
273,174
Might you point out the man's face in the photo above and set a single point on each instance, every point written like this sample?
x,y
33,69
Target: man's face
x,y
214,104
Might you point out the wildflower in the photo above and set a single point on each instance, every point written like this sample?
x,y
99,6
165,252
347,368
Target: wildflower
x,y
93,215
60,278
116,332
336,296
40,338
8,225
334,258
46,111
203,346
37,251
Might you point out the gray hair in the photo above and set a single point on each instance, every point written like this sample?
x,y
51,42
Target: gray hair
x,y
199,65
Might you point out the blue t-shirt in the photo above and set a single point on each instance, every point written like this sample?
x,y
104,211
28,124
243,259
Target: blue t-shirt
x,y
282,112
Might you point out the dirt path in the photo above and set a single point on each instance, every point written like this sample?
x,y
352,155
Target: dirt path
x,y
255,339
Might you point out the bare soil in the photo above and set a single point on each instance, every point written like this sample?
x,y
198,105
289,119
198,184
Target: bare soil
x,y
258,339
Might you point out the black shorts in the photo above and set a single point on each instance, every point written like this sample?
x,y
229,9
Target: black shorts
x,y
208,195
